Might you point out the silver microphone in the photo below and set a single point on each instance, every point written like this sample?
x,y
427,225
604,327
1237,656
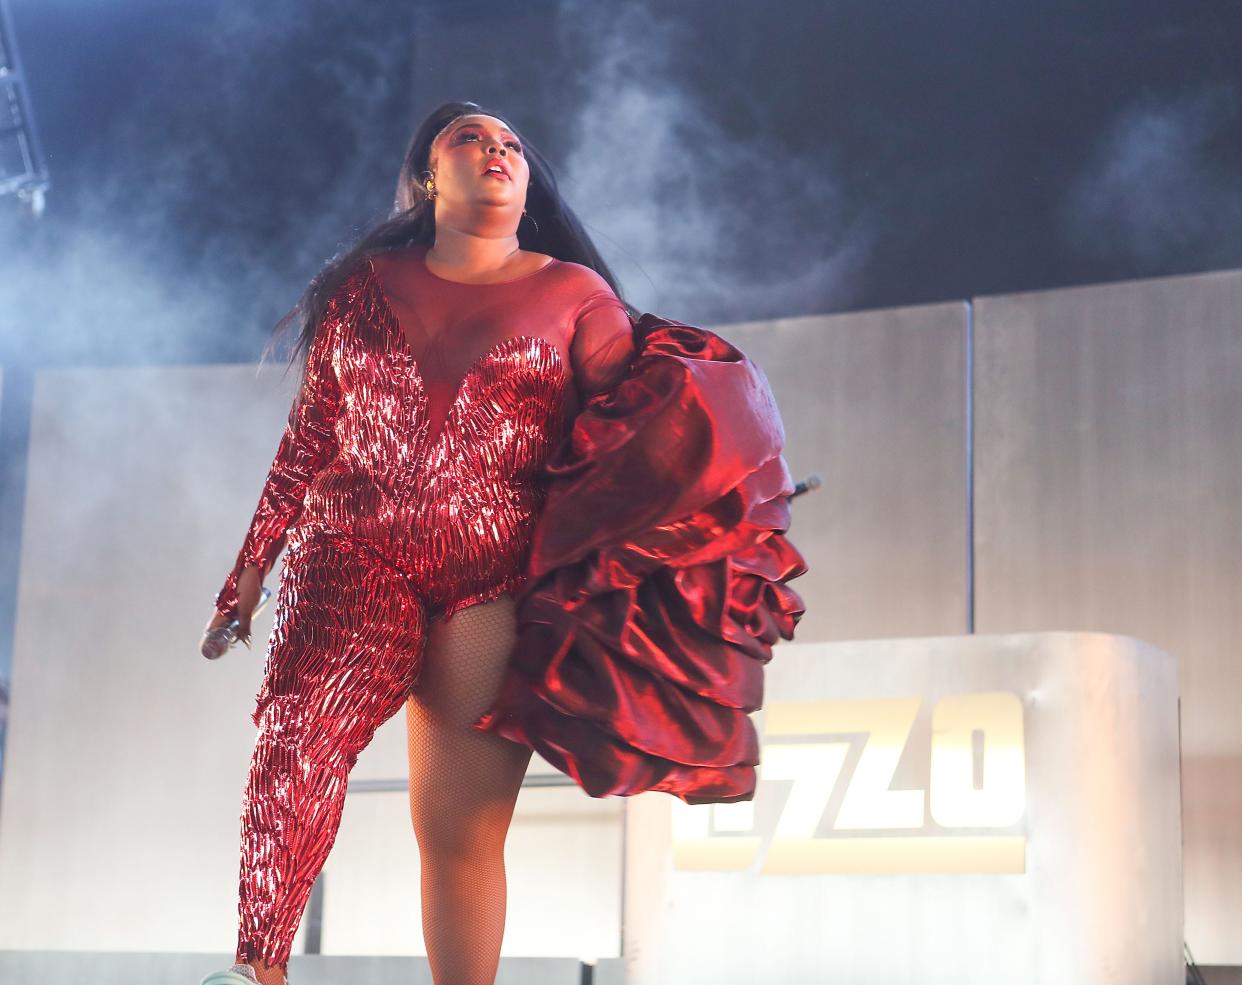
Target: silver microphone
x,y
812,481
217,641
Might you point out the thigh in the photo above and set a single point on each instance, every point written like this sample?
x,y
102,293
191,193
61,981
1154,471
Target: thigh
x,y
455,769
349,634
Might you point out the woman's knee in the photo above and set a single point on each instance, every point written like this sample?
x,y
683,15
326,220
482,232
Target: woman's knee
x,y
455,834
298,725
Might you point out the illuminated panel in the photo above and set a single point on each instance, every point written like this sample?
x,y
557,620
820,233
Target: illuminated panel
x,y
1000,800
694,848
868,803
898,855
976,778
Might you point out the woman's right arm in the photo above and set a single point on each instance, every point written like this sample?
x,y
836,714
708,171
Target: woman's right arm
x,y
307,445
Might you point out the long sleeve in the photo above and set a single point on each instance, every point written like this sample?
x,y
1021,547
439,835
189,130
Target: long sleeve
x,y
307,445
602,344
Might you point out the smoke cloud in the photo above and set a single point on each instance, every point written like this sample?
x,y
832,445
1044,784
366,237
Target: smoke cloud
x,y
721,226
1153,195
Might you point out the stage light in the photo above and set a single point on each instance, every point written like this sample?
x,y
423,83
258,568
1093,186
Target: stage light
x,y
22,171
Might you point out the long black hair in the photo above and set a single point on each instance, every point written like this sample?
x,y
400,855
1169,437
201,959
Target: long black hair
x,y
556,231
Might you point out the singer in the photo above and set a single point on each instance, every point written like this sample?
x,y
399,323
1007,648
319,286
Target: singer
x,y
494,461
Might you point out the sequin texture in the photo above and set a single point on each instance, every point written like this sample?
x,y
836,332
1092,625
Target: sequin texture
x,y
451,510
394,515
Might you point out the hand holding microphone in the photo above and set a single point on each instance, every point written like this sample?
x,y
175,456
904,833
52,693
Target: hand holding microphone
x,y
222,632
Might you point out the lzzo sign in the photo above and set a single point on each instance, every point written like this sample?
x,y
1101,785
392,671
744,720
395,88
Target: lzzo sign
x,y
965,816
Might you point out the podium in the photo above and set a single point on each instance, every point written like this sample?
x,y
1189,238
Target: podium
x,y
952,809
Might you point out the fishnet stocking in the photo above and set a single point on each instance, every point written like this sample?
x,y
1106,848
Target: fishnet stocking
x,y
463,786
268,974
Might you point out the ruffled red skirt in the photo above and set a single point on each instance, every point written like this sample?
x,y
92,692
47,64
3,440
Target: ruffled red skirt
x,y
657,578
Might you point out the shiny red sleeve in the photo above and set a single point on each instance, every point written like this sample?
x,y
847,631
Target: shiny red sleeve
x,y
602,344
307,445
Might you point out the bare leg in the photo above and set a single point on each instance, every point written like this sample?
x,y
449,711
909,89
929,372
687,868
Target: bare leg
x,y
463,786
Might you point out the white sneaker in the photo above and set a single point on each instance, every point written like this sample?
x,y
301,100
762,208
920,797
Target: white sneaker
x,y
239,974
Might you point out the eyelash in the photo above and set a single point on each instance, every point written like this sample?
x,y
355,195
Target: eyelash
x,y
510,143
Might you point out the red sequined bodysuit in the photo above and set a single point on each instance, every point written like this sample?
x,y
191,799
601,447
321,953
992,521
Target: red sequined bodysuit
x,y
623,479
406,483
426,420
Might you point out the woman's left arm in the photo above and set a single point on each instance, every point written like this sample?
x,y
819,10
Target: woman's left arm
x,y
602,344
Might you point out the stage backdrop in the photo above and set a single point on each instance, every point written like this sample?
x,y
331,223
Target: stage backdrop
x,y
127,752
1106,473
1108,478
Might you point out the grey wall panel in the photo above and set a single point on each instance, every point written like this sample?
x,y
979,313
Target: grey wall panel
x,y
1108,469
127,751
1108,480
875,402
4,669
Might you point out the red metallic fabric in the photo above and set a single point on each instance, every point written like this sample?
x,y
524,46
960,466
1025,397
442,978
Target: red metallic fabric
x,y
657,578
431,464
348,645
624,481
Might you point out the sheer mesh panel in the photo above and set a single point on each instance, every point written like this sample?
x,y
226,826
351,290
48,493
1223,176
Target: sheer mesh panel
x,y
463,786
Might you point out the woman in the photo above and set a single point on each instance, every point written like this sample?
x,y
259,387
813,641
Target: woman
x,y
449,374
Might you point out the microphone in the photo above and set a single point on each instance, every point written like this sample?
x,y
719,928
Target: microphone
x,y
216,641
812,481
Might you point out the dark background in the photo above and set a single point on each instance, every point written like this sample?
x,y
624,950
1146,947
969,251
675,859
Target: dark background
x,y
734,161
